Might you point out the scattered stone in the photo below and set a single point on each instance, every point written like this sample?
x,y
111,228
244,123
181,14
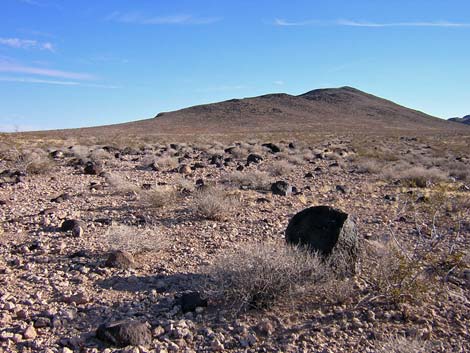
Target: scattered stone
x,y
342,189
272,147
281,188
30,333
92,168
190,301
120,259
125,333
61,198
70,224
253,158
308,175
184,169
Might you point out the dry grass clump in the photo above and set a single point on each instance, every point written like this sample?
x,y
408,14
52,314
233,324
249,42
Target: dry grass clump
x,y
415,176
395,274
253,180
120,185
167,162
259,275
99,154
135,240
371,166
159,197
279,168
214,203
34,162
80,152
399,344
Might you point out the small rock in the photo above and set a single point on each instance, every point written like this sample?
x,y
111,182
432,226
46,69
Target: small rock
x,y
30,333
216,346
190,301
120,259
253,158
281,188
125,333
70,224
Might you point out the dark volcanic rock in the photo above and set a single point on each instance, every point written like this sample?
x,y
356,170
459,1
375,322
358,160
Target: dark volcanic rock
x,y
61,198
272,147
92,168
120,259
125,333
326,230
253,158
190,301
70,224
281,188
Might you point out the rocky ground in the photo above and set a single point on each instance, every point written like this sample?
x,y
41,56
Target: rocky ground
x,y
58,284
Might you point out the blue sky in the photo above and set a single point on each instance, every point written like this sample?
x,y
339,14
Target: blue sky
x,y
68,63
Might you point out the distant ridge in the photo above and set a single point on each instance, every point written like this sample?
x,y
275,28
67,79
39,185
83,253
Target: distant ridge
x,y
463,120
331,110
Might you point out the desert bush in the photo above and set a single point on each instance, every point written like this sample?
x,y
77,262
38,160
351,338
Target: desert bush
x,y
239,152
80,152
258,275
135,240
368,166
399,344
254,180
279,168
415,176
99,154
395,274
159,197
296,159
34,162
167,162
214,203
120,185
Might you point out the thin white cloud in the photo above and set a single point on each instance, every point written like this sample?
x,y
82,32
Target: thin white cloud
x,y
26,44
351,23
10,67
139,18
33,80
279,83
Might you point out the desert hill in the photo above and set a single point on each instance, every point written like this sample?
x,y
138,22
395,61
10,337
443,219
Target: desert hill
x,y
334,110
463,120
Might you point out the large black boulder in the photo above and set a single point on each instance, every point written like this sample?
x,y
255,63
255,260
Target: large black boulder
x,y
125,333
328,231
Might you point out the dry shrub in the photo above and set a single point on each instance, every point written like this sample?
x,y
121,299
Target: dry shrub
x,y
80,152
253,180
279,168
99,154
120,185
35,162
368,166
258,275
239,152
396,274
159,197
296,159
135,240
167,162
399,344
214,203
415,176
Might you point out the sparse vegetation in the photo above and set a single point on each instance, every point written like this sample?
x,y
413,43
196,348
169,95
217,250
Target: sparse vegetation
x,y
254,180
120,185
259,275
158,197
214,203
399,344
135,240
279,168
